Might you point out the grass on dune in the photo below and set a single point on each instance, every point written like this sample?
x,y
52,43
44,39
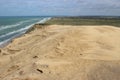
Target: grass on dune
x,y
84,21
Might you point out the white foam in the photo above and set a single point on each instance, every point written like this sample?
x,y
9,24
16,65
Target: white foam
x,y
44,20
8,40
20,31
15,25
17,31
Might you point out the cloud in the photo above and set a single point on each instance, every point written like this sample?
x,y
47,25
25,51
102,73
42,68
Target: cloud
x,y
105,4
61,7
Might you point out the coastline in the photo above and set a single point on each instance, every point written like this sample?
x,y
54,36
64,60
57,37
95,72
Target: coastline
x,y
6,42
63,52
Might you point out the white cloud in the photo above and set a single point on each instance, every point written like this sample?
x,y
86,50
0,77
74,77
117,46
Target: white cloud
x,y
61,6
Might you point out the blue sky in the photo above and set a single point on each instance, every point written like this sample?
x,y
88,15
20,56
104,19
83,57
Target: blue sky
x,y
59,7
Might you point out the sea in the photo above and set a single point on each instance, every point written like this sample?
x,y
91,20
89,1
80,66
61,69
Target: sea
x,y
14,26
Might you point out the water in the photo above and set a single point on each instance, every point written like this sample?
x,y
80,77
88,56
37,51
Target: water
x,y
11,27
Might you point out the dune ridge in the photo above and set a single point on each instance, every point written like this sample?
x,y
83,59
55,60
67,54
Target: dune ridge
x,y
63,52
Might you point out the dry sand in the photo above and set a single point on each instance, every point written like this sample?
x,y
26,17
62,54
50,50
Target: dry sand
x,y
59,52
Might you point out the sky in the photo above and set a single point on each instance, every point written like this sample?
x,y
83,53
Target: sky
x,y
59,7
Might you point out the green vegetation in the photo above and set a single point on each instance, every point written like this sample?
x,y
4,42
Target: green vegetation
x,y
85,21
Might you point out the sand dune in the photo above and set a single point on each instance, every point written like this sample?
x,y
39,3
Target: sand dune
x,y
58,52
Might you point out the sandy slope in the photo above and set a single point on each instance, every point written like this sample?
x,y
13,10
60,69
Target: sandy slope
x,y
59,52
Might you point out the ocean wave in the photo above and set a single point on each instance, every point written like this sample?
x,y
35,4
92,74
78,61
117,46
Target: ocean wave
x,y
20,31
15,25
8,40
44,20
17,31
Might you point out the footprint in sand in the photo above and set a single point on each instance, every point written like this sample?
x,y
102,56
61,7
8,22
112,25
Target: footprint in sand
x,y
47,65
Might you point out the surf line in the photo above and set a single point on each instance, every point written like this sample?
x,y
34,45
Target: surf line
x,y
22,31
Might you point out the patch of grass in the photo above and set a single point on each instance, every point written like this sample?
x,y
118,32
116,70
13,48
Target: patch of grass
x,y
84,21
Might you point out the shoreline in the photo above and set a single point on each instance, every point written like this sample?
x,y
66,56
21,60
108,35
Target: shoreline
x,y
8,41
64,49
59,52
68,21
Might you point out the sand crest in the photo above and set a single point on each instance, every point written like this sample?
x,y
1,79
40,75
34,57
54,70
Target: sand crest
x,y
61,52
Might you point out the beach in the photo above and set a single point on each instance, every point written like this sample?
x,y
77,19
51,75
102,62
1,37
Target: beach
x,y
13,27
63,52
